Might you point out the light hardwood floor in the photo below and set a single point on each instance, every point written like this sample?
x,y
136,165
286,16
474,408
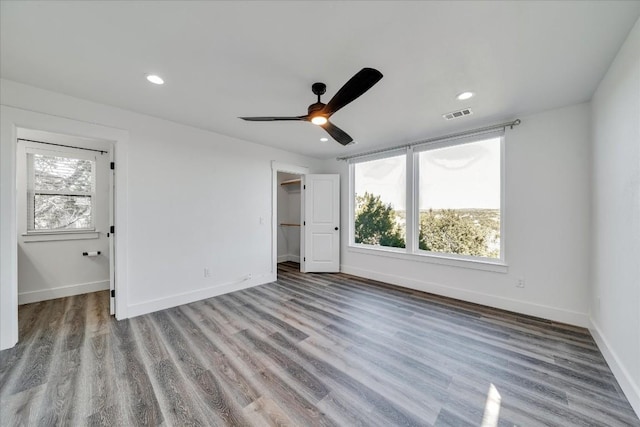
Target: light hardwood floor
x,y
314,349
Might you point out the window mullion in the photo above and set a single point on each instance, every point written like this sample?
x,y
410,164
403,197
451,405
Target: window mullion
x,y
410,216
352,203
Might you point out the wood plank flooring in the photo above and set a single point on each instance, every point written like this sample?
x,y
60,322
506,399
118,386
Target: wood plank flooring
x,y
314,349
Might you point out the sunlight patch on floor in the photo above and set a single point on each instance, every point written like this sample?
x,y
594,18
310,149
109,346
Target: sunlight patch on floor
x,y
491,408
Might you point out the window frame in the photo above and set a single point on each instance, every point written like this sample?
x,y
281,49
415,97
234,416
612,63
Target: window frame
x,y
411,251
352,200
67,152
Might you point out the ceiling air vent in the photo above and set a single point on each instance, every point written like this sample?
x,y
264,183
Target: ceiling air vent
x,y
457,114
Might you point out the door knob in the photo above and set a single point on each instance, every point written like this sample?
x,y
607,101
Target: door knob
x,y
336,228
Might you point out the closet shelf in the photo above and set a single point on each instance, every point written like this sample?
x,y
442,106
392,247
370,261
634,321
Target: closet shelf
x,y
291,182
286,224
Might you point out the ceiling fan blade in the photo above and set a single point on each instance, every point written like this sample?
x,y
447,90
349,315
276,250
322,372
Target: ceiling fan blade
x,y
273,119
356,86
336,133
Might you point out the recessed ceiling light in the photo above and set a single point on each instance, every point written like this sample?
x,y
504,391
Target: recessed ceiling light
x,y
465,95
155,79
324,139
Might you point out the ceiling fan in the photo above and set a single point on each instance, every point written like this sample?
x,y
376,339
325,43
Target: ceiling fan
x,y
319,113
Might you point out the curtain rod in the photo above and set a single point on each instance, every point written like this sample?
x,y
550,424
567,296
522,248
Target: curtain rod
x,y
62,145
503,126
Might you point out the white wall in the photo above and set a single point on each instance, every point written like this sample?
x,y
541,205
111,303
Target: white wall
x,y
294,217
547,227
288,212
52,266
194,199
615,258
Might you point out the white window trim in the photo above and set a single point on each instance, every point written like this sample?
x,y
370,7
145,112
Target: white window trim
x,y
451,260
412,252
44,236
50,235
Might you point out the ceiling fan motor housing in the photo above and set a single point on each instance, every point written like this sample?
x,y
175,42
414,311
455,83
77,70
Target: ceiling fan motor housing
x,y
319,88
314,108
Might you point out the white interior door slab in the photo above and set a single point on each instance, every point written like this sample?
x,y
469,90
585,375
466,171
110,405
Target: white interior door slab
x,y
112,263
321,223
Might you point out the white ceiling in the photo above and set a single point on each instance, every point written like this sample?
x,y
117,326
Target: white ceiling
x,y
221,60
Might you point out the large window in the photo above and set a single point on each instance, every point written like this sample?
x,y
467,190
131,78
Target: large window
x,y
454,193
60,192
380,207
459,199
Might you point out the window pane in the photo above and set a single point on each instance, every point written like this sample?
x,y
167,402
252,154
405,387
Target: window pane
x,y
380,216
459,199
54,212
62,174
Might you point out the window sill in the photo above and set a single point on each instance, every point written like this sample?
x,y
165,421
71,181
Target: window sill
x,y
56,236
474,264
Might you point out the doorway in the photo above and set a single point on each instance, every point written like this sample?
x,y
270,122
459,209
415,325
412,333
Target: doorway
x,y
284,249
64,200
289,217
11,120
315,213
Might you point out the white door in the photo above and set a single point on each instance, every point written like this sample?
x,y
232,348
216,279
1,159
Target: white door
x,y
112,263
320,244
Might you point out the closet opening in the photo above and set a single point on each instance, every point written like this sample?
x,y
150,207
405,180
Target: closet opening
x,y
289,219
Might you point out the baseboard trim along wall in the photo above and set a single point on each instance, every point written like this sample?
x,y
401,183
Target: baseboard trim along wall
x,y
537,310
197,295
289,257
629,387
62,291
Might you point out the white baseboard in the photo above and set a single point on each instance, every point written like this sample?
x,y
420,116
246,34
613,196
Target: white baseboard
x,y
630,388
197,295
289,257
62,291
294,258
537,310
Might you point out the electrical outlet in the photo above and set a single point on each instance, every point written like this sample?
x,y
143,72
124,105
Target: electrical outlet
x,y
520,283
207,272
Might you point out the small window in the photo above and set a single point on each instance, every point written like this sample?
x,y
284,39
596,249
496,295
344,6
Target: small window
x,y
380,202
60,192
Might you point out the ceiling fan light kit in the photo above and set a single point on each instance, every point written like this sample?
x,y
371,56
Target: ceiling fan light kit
x,y
319,113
